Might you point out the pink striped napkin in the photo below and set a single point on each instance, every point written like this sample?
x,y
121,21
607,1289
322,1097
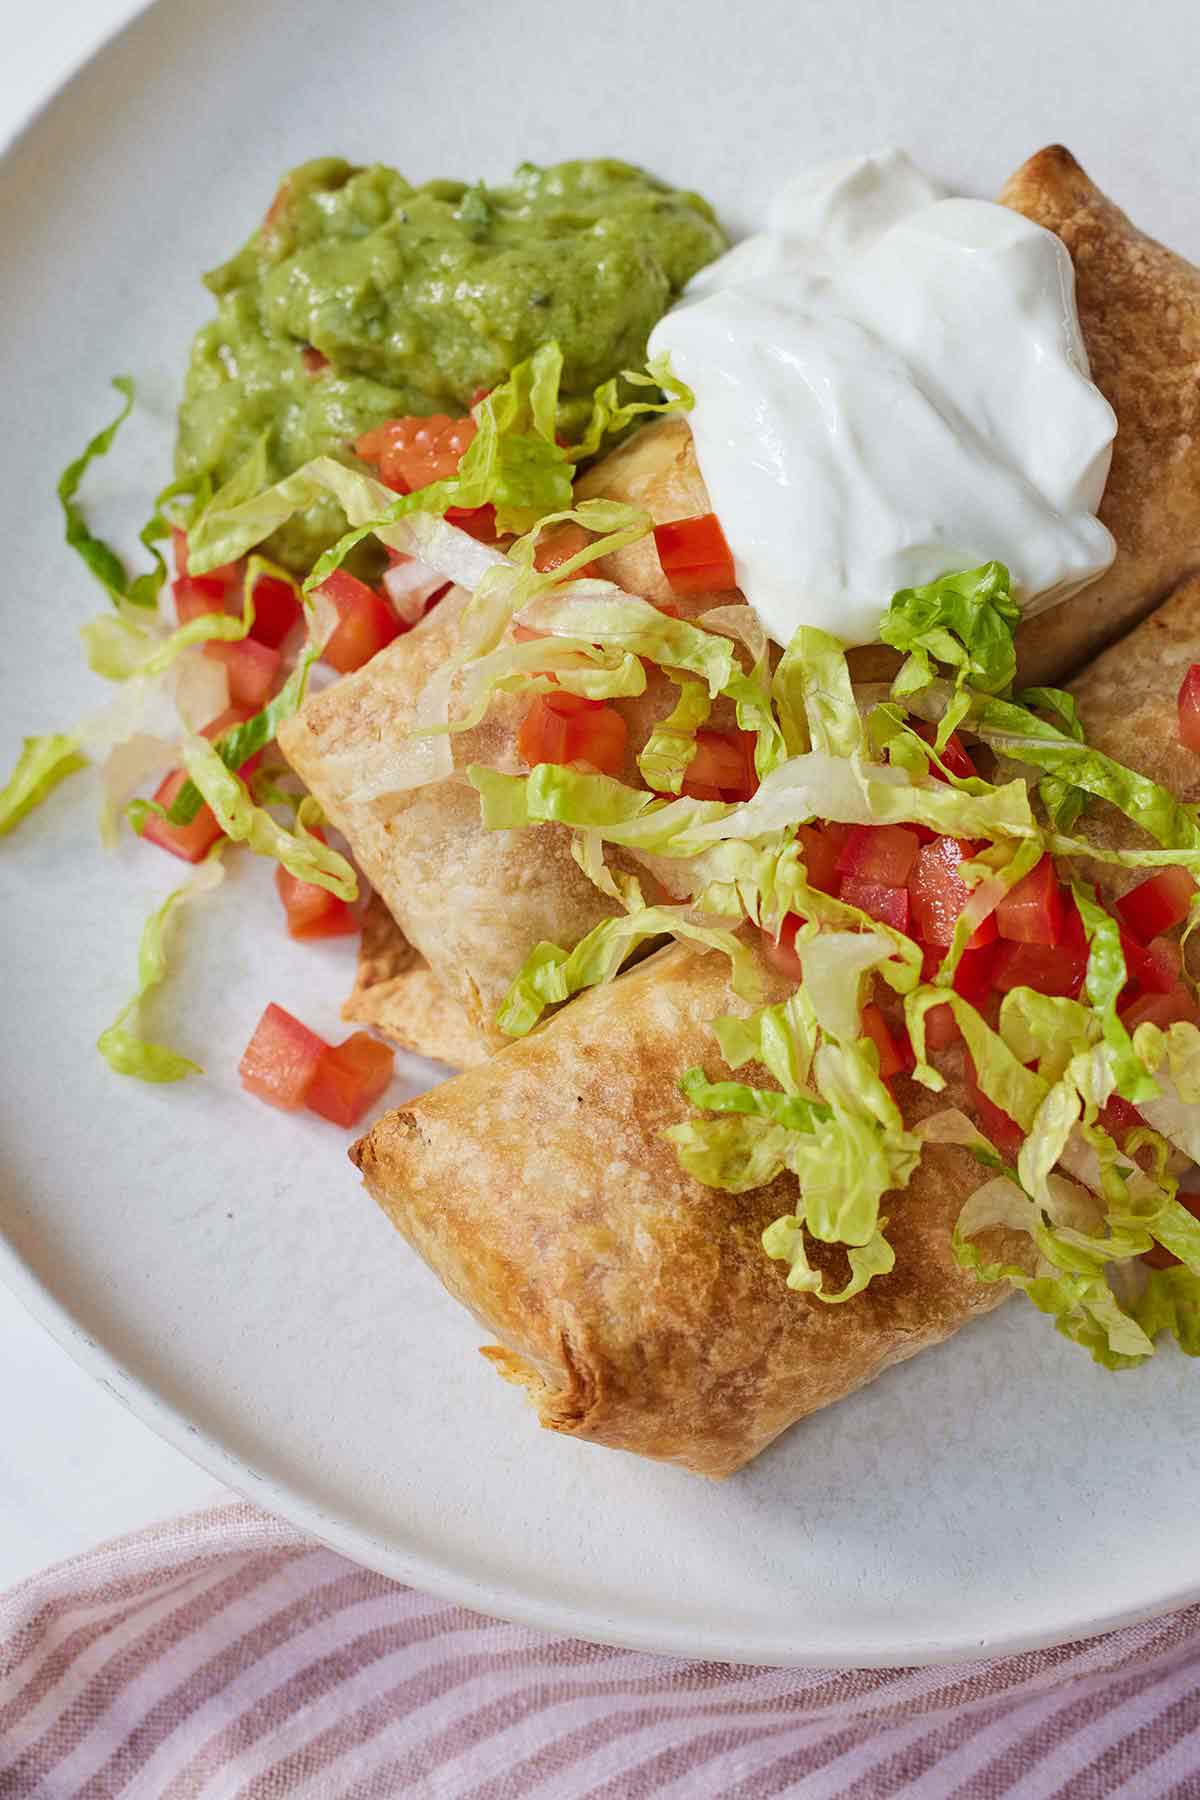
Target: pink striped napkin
x,y
225,1655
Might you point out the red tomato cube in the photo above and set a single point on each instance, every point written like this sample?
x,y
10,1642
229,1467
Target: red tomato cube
x,y
349,1078
882,853
938,894
252,669
1177,1007
722,767
568,728
820,847
895,1057
277,611
1004,1132
281,1060
195,596
955,755
312,911
888,904
779,953
694,555
192,842
365,622
1189,709
1157,904
1046,968
1032,911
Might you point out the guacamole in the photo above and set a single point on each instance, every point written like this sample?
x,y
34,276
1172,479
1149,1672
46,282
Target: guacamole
x,y
418,297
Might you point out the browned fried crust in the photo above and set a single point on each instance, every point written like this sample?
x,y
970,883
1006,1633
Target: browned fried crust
x,y
396,992
634,1304
1139,306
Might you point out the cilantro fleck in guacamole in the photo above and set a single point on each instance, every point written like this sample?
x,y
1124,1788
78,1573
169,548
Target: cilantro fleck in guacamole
x,y
361,299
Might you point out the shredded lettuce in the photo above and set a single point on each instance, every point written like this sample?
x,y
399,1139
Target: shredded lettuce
x,y
551,975
813,682
964,621
101,558
1014,731
663,763
1105,979
300,853
42,764
610,414
123,1049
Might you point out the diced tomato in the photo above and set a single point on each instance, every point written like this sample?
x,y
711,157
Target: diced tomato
x,y
252,669
972,979
938,894
1153,970
1189,709
820,846
1118,1116
882,853
312,911
1032,911
780,952
894,1057
941,1028
277,611
315,361
722,766
197,595
1158,1258
192,842
956,756
411,452
281,1060
559,545
477,521
1177,1007
1047,968
888,904
1004,1132
1157,904
567,728
366,623
694,555
349,1078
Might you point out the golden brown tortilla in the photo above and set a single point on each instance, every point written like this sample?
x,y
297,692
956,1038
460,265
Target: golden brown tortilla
x,y
635,1305
395,992
1139,306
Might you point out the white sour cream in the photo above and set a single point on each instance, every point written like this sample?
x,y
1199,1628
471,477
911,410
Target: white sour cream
x,y
891,384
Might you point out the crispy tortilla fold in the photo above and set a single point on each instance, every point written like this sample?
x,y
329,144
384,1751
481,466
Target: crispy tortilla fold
x,y
635,1305
1139,306
396,992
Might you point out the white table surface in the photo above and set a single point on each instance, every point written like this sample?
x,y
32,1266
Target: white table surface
x,y
75,1467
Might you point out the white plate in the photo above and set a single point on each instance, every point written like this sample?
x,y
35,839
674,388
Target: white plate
x,y
215,1263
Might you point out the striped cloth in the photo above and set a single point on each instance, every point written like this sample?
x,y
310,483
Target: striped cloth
x,y
225,1655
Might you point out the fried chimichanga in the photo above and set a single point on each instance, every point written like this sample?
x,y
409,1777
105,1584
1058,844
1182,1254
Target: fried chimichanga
x,y
634,1304
1139,309
472,903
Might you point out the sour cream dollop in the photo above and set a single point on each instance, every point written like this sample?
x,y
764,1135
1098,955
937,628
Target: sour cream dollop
x,y
890,384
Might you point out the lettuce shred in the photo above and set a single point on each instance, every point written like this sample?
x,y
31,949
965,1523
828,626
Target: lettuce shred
x,y
42,764
124,1050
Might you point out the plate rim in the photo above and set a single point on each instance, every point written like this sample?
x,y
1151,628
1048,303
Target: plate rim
x,y
170,1423
141,1397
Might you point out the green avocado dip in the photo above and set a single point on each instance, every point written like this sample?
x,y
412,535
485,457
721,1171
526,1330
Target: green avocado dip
x,y
418,297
